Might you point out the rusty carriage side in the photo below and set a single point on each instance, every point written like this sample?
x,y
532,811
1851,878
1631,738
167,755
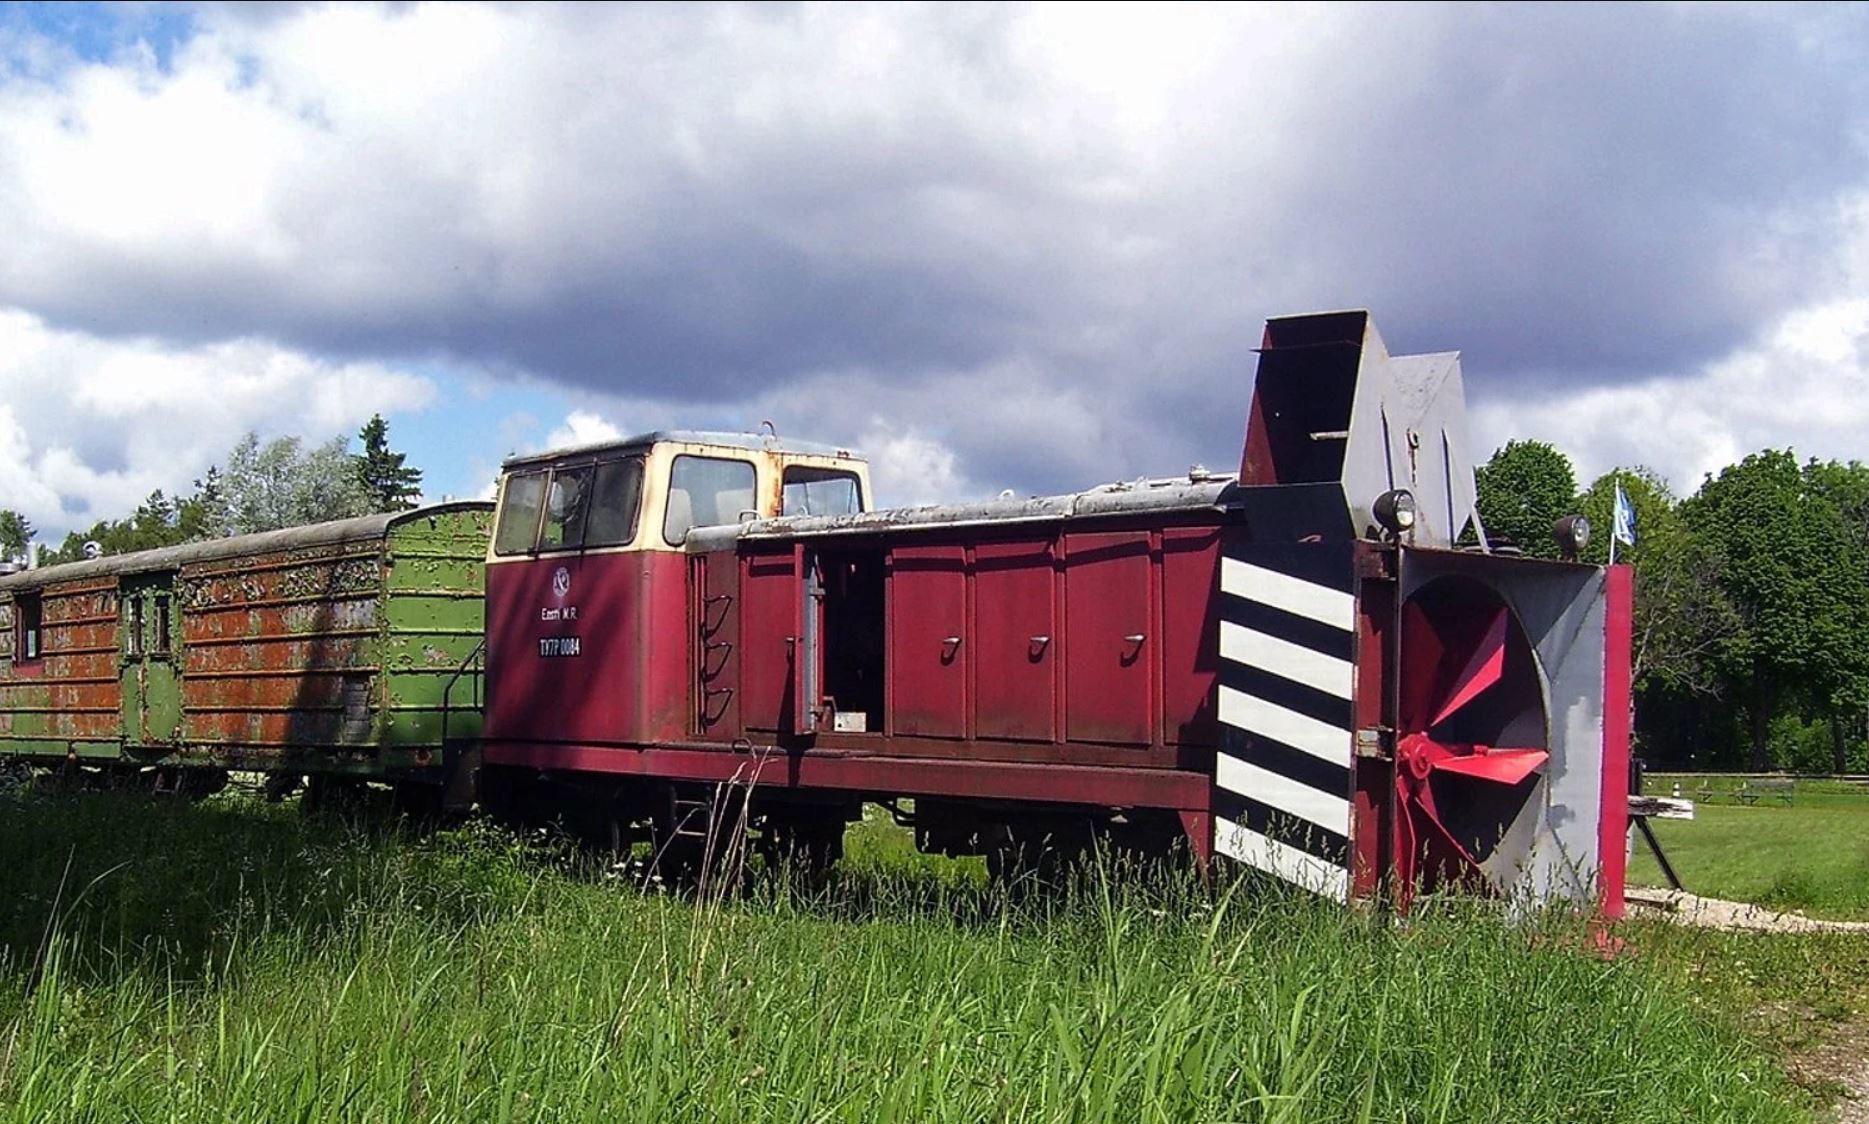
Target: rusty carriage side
x,y
340,650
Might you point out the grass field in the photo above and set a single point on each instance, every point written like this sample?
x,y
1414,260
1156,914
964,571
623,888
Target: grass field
x,y
1811,854
231,962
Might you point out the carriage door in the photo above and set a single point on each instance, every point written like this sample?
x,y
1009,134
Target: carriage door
x,y
151,634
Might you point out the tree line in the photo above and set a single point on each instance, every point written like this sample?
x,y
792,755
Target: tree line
x,y
1751,600
259,486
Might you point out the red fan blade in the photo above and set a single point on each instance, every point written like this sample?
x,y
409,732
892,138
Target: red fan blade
x,y
1506,766
1486,668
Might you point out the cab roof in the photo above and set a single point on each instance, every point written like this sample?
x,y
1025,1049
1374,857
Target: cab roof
x,y
752,442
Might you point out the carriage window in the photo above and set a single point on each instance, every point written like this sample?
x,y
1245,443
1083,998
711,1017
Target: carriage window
x,y
519,513
820,491
705,492
133,626
567,502
31,632
159,643
615,497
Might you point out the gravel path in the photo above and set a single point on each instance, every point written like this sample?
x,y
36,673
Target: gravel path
x,y
1717,913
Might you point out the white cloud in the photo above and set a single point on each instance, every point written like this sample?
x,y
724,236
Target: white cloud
x,y
1040,238
582,427
908,467
1806,387
90,426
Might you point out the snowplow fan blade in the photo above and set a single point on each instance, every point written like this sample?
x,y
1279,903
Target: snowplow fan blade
x,y
1486,667
1505,766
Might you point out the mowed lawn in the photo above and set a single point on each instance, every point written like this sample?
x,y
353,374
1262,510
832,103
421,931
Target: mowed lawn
x,y
1810,855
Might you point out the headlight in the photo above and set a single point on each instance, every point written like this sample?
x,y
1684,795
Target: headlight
x,y
1395,510
1572,534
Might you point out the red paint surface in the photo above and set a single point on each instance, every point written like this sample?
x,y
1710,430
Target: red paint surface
x,y
1190,640
629,681
1372,778
1618,683
928,649
1106,602
1066,784
1015,676
769,595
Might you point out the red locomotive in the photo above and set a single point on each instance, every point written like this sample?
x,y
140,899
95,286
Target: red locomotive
x,y
1295,669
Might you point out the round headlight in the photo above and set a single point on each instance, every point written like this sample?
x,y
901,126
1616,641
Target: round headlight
x,y
1395,510
1572,534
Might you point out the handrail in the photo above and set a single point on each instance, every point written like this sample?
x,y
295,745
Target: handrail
x,y
472,663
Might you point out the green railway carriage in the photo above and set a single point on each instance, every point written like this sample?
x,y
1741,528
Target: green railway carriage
x,y
348,648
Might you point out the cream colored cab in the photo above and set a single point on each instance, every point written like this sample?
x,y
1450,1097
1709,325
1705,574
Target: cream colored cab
x,y
648,492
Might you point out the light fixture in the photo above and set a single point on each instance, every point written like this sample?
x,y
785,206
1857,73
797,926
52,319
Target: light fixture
x,y
1572,534
1395,511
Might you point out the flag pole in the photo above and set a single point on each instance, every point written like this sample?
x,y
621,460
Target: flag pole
x,y
1615,486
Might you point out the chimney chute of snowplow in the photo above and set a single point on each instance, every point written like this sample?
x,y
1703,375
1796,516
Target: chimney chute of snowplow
x,y
1337,421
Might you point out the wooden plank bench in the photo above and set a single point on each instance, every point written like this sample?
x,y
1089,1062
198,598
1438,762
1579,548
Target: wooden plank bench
x,y
1752,790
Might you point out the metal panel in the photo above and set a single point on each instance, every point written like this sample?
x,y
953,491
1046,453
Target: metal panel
x,y
69,700
1015,641
589,647
769,592
433,621
1190,649
1110,649
928,650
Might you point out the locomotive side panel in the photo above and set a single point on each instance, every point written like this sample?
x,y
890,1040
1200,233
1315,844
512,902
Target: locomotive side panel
x,y
928,653
59,688
589,648
1015,639
1113,645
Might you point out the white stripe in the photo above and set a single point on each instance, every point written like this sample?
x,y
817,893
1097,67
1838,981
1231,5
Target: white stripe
x,y
1297,867
1332,813
1299,731
1286,660
1294,595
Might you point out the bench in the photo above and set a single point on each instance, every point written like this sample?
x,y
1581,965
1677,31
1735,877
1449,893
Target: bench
x,y
1751,791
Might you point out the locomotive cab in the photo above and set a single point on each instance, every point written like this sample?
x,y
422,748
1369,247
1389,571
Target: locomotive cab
x,y
588,593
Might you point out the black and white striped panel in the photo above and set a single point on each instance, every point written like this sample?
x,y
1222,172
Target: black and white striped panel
x,y
1287,676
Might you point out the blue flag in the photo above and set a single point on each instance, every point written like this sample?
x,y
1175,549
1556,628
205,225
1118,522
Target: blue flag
x,y
1624,529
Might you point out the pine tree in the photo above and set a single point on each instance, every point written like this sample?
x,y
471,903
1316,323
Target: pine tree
x,y
16,531
391,483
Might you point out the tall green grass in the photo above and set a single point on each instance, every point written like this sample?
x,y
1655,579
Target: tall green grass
x,y
229,962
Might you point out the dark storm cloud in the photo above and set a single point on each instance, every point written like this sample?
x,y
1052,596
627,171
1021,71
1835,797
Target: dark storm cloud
x,y
706,208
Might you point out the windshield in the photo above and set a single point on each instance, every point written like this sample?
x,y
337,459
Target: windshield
x,y
519,513
570,507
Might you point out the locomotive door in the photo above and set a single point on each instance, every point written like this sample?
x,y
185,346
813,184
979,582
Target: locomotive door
x,y
150,644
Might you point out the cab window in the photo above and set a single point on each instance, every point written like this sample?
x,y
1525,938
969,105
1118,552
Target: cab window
x,y
567,502
820,491
705,492
520,505
615,497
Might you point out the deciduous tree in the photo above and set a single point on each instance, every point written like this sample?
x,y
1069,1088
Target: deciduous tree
x,y
1523,489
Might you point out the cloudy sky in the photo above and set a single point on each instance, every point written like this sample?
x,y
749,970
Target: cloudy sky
x,y
1004,246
